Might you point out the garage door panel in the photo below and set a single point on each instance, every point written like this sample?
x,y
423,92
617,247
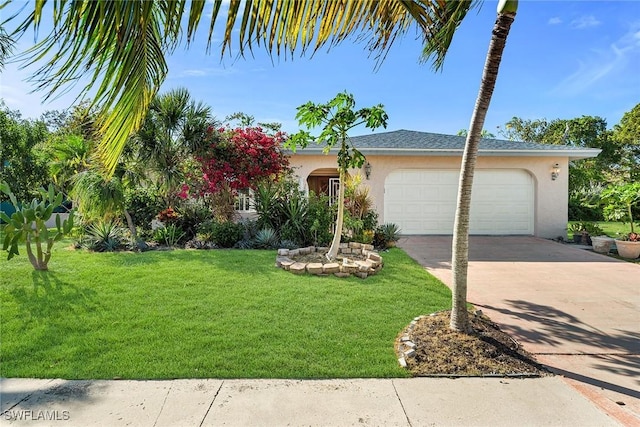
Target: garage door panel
x,y
424,201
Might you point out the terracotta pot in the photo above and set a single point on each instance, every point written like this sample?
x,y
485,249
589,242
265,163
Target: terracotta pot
x,y
628,249
601,244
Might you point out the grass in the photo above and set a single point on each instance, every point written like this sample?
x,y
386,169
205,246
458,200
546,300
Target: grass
x,y
610,228
204,314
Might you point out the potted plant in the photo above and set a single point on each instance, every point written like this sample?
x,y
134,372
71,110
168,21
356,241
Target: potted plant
x,y
628,245
601,244
583,230
619,203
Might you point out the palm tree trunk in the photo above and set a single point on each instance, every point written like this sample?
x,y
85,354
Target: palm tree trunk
x,y
460,247
335,243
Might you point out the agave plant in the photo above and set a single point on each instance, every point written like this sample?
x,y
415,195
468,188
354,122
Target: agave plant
x,y
266,238
104,236
386,235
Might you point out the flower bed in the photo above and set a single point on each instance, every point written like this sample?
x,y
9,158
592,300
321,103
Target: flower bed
x,y
357,259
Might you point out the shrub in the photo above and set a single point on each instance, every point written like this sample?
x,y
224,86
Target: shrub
x,y
266,238
167,216
103,236
386,235
321,218
191,214
226,234
143,204
169,235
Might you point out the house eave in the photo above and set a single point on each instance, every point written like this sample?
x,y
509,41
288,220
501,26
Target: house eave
x,y
578,154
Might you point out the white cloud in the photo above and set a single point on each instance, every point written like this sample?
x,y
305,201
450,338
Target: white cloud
x,y
584,21
554,21
206,72
619,58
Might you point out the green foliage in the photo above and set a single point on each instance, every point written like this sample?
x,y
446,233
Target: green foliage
x,y
28,225
169,235
626,135
320,216
585,205
337,117
22,164
294,212
143,204
191,213
618,161
266,238
266,199
226,234
98,197
174,130
619,201
386,235
103,236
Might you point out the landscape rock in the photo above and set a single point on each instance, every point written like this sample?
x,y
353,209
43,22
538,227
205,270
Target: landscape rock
x,y
314,268
298,268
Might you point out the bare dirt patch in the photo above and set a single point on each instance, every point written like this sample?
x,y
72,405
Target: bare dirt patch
x,y
487,351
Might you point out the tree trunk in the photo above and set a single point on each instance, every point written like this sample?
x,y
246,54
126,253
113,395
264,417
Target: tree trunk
x,y
131,225
460,247
335,243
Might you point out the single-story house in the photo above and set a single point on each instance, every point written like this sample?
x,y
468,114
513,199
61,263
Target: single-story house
x,y
520,188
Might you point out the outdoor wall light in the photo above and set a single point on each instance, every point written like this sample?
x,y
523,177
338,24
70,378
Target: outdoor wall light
x,y
555,171
367,170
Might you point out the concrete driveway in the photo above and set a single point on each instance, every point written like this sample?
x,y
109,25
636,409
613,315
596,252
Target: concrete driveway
x,y
577,311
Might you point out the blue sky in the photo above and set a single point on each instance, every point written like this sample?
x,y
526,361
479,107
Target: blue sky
x,y
563,59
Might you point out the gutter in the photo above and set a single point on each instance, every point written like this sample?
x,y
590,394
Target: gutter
x,y
577,154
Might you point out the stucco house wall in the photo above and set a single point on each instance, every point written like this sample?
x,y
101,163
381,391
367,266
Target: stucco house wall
x,y
551,196
406,150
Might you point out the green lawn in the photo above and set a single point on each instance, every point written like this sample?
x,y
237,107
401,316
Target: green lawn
x,y
611,229
204,314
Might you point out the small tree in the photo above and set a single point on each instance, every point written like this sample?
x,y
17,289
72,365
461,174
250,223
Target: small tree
x,y
28,224
620,200
337,117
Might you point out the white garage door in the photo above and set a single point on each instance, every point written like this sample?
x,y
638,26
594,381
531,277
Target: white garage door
x,y
424,201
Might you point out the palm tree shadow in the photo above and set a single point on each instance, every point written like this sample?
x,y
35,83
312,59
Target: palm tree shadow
x,y
620,349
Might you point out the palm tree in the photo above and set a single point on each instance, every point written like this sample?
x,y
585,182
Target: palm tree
x,y
123,45
101,197
460,247
173,130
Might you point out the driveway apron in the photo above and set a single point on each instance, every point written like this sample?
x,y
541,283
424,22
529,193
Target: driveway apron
x,y
576,310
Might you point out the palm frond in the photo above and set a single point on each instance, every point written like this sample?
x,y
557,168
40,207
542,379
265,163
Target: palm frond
x,y
446,21
121,45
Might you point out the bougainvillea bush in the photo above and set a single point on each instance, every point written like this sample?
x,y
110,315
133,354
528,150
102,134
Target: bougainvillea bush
x,y
232,160
237,159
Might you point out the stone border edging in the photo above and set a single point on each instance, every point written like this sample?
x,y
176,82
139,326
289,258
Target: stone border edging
x,y
362,269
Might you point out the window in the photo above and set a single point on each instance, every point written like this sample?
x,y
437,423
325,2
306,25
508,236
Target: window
x,y
244,201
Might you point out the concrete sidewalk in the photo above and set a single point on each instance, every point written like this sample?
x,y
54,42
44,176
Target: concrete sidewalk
x,y
576,310
374,402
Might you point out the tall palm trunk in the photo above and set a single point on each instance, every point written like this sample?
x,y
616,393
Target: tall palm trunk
x,y
460,247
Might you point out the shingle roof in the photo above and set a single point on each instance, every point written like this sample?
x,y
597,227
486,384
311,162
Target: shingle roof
x,y
407,142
